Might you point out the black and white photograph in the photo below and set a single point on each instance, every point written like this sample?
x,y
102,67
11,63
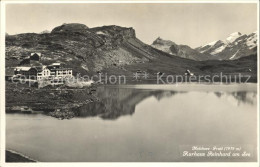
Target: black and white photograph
x,y
93,82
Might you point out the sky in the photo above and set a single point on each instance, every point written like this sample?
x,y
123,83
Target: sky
x,y
192,24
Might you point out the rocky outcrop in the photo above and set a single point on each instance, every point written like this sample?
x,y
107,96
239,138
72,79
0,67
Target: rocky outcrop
x,y
72,27
86,50
183,51
114,31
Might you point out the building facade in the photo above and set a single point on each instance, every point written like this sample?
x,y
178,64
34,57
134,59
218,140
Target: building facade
x,y
43,73
53,71
25,72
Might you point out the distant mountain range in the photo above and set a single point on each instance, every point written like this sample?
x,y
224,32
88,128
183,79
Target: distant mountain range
x,y
183,51
235,46
117,50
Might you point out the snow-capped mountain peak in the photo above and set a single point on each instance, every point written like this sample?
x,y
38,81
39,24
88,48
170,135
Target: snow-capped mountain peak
x,y
210,44
251,42
236,45
232,37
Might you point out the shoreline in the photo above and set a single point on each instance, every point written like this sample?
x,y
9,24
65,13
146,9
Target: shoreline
x,y
58,102
251,87
13,156
71,99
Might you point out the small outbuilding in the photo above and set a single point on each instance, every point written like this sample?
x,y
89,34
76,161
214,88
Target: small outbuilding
x,y
35,56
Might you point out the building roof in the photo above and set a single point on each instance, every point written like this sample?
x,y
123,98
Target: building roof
x,y
22,68
38,68
55,64
39,54
41,68
60,69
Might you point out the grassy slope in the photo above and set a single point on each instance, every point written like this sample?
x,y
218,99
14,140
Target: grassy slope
x,y
176,66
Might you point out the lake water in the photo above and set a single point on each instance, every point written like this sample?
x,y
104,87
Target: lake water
x,y
143,123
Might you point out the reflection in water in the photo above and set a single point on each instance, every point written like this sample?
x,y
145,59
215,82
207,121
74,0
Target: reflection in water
x,y
241,97
115,102
244,97
161,123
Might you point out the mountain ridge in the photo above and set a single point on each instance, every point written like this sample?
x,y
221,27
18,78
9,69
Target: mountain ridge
x,y
235,46
183,51
112,49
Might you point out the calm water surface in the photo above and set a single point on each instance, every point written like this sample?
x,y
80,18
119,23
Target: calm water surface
x,y
142,123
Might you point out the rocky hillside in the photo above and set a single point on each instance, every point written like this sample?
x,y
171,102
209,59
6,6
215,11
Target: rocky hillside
x,y
113,49
183,51
235,46
86,50
82,48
